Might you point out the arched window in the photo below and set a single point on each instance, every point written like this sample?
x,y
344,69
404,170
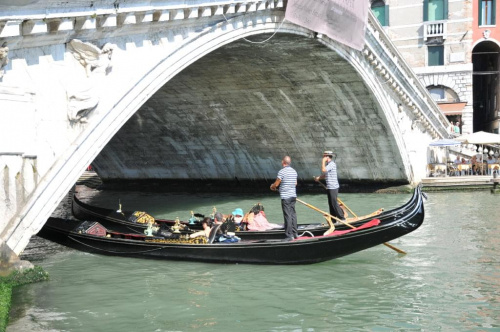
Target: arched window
x,y
381,12
443,94
448,102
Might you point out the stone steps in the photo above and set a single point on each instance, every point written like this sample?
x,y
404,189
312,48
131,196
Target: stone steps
x,y
90,179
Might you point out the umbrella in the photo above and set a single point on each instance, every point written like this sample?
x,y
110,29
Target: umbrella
x,y
445,142
480,137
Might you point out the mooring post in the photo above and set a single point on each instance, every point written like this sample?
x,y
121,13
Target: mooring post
x,y
495,181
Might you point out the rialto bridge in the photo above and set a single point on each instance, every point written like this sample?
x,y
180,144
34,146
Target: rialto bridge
x,y
189,90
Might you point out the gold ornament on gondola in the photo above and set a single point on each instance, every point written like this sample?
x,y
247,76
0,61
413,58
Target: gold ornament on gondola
x,y
152,228
177,225
214,211
196,240
142,217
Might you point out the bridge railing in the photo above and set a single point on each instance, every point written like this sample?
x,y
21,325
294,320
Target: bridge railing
x,y
46,17
404,80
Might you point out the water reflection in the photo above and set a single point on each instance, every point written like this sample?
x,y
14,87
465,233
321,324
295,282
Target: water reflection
x,y
449,280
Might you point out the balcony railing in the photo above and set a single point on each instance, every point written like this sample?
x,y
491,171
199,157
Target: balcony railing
x,y
434,29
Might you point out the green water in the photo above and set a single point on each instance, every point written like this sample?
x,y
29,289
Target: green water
x,y
449,281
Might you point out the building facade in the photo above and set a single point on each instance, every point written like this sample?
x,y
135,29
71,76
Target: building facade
x,y
485,58
453,47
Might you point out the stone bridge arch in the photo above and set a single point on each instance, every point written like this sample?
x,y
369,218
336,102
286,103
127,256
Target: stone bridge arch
x,y
144,61
111,162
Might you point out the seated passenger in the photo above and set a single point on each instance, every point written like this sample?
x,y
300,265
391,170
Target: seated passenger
x,y
491,160
233,222
476,165
206,223
257,220
240,224
218,218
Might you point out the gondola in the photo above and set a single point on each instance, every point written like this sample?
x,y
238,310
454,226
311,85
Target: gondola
x,y
120,221
304,250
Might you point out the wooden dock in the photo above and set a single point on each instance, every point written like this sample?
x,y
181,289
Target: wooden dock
x,y
471,182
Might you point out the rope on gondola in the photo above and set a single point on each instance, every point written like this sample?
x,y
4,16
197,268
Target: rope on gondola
x,y
312,235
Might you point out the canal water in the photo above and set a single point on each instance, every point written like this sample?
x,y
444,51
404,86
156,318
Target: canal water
x,y
448,281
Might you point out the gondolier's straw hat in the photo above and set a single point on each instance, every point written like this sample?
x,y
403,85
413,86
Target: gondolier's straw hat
x,y
328,153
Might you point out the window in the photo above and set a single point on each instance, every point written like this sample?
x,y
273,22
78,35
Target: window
x,y
435,55
443,94
435,10
381,12
487,12
437,93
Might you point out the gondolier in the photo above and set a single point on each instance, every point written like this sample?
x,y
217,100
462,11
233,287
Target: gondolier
x,y
287,182
329,172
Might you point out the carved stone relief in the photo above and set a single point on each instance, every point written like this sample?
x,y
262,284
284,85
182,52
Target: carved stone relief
x,y
82,94
4,58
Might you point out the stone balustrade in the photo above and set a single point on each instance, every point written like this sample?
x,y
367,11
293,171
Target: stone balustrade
x,y
397,73
435,29
110,16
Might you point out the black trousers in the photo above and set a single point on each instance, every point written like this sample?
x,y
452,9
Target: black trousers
x,y
290,216
335,209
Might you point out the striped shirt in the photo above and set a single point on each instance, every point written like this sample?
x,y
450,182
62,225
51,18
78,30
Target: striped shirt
x,y
331,176
288,177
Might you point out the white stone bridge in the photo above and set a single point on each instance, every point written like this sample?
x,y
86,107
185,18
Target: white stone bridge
x,y
212,90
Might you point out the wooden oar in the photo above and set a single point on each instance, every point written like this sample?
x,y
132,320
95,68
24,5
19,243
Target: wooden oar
x,y
356,217
354,214
338,199
345,223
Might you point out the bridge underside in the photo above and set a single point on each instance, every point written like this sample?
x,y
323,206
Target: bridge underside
x,y
237,111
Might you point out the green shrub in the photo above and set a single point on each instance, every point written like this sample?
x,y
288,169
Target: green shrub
x,y
5,299
14,279
18,278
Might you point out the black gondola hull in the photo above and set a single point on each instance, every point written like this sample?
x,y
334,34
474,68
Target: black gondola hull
x,y
264,251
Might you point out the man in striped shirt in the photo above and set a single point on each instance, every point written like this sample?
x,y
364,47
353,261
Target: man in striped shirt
x,y
287,182
329,172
